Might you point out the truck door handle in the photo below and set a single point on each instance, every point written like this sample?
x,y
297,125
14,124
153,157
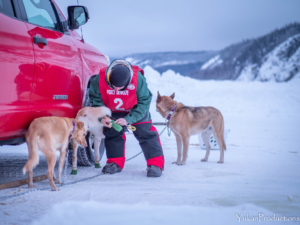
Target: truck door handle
x,y
38,40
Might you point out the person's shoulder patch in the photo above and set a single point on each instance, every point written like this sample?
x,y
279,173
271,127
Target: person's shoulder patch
x,y
131,87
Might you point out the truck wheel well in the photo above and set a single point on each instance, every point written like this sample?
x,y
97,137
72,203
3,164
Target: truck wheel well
x,y
90,80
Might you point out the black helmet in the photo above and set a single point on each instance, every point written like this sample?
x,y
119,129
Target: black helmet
x,y
119,73
119,76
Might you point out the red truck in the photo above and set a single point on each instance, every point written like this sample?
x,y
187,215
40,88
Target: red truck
x,y
45,67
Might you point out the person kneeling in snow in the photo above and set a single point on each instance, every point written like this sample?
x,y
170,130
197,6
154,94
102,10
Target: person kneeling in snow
x,y
122,88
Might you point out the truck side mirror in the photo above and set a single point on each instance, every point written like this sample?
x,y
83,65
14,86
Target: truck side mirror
x,y
77,16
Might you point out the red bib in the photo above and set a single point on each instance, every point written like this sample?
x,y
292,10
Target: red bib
x,y
119,101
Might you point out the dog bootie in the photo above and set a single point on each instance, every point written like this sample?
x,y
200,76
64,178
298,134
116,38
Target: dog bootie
x,y
111,168
153,171
97,164
74,171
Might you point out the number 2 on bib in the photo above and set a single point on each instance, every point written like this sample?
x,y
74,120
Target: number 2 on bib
x,y
118,100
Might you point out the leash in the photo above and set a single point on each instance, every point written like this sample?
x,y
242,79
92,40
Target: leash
x,y
168,119
44,189
78,181
133,128
169,131
169,134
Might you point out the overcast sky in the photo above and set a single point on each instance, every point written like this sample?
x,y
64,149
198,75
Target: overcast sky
x,y
119,27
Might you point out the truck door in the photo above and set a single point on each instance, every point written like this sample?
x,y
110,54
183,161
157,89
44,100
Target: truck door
x,y
57,85
16,71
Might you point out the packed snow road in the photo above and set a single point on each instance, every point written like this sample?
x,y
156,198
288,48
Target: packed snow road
x,y
260,175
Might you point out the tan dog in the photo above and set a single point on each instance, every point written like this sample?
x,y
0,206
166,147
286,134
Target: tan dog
x,y
90,117
187,121
49,134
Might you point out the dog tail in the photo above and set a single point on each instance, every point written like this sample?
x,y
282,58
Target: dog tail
x,y
106,111
33,151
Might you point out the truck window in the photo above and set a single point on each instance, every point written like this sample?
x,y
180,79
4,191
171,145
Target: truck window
x,y
6,7
40,12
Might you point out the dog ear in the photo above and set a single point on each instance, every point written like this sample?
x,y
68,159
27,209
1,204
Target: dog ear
x,y
80,125
172,96
158,97
79,113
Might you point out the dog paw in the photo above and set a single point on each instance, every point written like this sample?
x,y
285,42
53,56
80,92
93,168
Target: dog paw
x,y
204,160
55,189
32,186
221,161
58,181
181,163
176,162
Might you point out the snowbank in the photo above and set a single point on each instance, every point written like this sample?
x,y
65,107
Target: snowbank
x,y
247,99
80,213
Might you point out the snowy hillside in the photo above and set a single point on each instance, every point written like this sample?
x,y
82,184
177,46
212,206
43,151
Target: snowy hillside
x,y
275,56
282,64
182,62
212,63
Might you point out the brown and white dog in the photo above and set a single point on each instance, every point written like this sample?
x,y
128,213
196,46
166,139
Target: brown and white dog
x,y
186,121
49,134
90,117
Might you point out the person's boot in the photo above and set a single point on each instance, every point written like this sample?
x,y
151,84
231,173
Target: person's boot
x,y
153,171
111,168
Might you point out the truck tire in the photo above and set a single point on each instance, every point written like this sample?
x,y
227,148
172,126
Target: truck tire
x,y
85,156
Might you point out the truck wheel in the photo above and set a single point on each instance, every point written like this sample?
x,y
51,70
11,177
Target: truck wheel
x,y
86,156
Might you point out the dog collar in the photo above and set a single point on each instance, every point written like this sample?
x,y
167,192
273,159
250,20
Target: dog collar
x,y
72,129
171,112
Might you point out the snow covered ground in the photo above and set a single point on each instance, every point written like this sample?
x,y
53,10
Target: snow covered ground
x,y
260,178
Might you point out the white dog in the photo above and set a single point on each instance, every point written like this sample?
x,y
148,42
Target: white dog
x,y
90,117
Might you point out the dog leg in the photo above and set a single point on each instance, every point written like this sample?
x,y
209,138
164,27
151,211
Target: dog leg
x,y
30,179
97,142
179,148
33,160
54,177
186,142
61,164
219,136
74,159
205,137
96,148
51,159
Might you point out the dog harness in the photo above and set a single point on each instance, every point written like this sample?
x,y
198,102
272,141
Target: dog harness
x,y
119,101
171,112
72,129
